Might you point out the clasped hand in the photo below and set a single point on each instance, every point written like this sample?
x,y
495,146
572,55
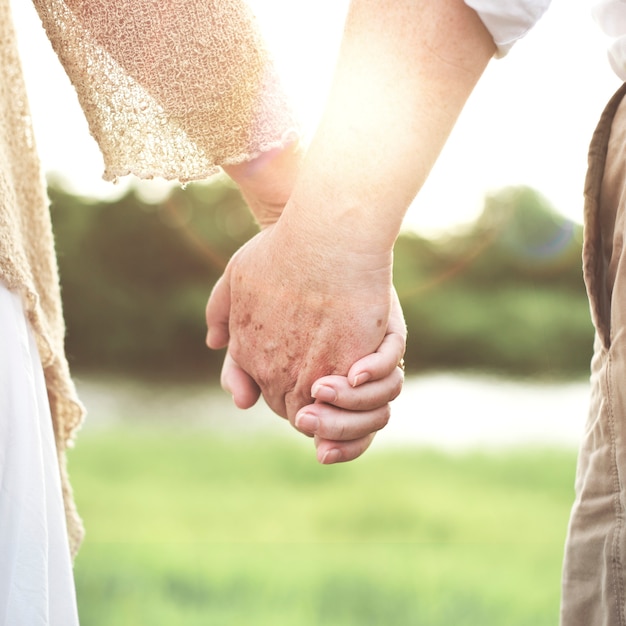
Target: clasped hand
x,y
317,331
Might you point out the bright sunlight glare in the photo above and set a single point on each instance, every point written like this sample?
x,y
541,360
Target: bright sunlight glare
x,y
528,122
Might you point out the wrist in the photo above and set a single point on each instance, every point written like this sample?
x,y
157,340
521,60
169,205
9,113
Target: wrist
x,y
330,255
267,181
344,212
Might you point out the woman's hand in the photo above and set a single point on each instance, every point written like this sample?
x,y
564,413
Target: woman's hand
x,y
267,181
348,411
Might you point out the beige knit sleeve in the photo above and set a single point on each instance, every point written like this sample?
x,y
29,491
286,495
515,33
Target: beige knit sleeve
x,y
170,88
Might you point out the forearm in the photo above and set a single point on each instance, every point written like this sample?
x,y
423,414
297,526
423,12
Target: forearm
x,y
404,73
172,89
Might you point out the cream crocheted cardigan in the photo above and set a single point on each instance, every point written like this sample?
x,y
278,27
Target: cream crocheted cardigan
x,y
170,89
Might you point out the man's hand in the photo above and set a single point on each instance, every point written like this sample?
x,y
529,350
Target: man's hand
x,y
292,310
348,410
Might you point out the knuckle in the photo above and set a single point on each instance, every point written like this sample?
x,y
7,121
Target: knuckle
x,y
385,416
397,388
332,428
339,430
276,404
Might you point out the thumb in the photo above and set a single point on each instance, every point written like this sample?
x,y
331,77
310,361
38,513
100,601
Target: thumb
x,y
244,390
234,379
218,313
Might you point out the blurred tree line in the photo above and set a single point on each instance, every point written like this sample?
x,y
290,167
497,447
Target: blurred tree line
x,y
504,296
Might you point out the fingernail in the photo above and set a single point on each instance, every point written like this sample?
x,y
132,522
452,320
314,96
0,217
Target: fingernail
x,y
360,379
323,393
307,423
332,456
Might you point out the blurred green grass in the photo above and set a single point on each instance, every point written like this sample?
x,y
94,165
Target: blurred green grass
x,y
187,528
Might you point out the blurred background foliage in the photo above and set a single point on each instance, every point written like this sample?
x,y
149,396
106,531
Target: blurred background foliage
x,y
505,295
192,525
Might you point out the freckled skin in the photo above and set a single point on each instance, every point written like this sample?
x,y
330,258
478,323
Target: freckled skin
x,y
245,320
302,333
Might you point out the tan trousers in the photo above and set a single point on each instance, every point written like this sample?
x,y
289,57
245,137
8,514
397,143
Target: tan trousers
x,y
594,580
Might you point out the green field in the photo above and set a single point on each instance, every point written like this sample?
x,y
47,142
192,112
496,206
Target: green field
x,y
189,529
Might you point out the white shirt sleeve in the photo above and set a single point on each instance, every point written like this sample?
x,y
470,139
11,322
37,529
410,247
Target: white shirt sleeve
x,y
508,20
611,17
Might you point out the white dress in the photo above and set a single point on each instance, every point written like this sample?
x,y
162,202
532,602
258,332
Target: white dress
x,y
36,578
